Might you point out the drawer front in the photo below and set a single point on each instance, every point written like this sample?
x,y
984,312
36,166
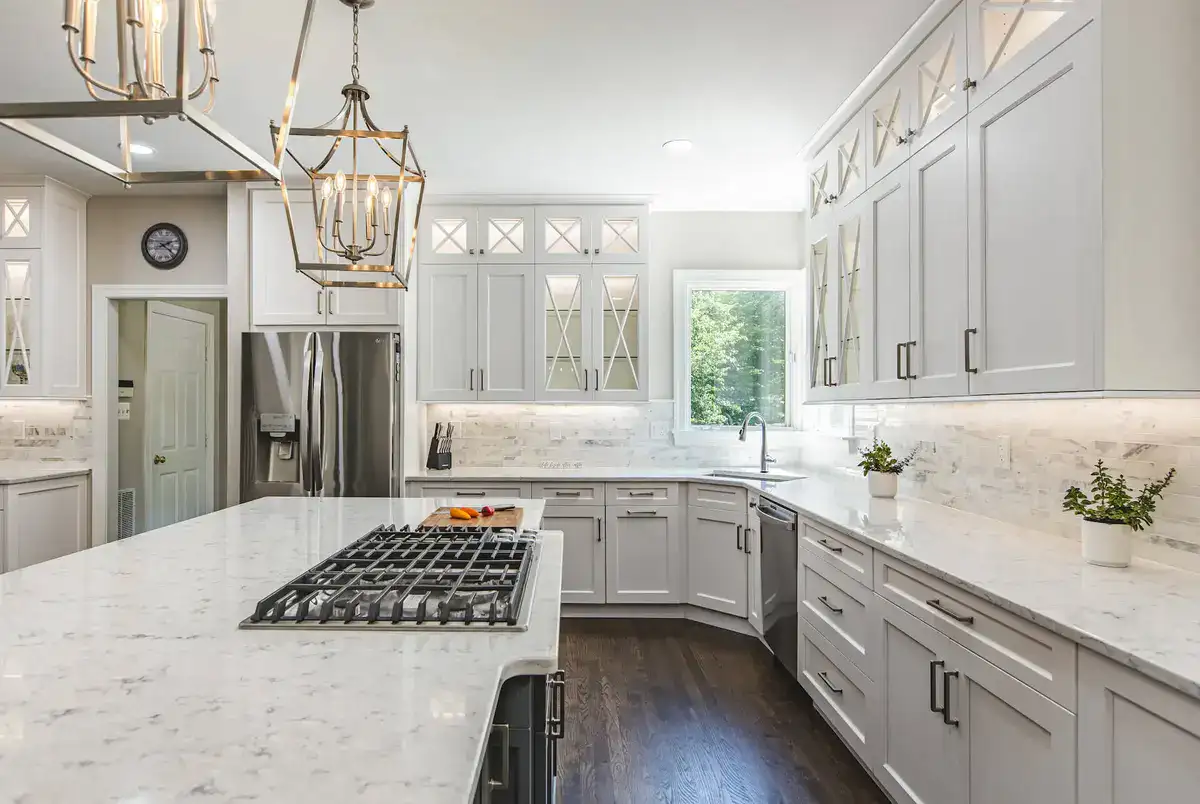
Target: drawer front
x,y
837,607
716,497
476,490
569,493
1041,659
843,553
839,689
661,493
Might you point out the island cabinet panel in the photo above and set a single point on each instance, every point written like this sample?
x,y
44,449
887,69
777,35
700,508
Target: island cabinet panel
x,y
44,519
644,554
583,572
717,556
1139,742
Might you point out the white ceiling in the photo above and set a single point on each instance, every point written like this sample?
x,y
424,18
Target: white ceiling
x,y
511,96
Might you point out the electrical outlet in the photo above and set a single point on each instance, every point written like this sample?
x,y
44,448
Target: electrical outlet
x,y
927,447
660,430
1004,452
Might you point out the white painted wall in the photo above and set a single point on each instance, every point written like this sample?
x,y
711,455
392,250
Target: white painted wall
x,y
710,241
116,225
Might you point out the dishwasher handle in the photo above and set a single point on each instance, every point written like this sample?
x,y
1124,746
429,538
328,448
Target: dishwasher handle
x,y
778,517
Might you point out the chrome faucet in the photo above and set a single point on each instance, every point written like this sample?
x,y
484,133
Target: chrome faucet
x,y
766,459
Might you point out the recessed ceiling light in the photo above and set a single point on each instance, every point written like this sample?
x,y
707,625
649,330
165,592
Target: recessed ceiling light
x,y
138,149
677,146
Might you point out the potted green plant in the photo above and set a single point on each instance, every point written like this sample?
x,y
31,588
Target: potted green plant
x,y
882,469
1111,514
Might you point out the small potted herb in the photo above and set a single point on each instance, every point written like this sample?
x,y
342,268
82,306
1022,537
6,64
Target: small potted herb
x,y
882,469
1111,514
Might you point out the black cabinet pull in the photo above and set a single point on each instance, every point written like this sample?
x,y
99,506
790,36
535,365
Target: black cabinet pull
x,y
933,668
824,677
482,384
471,381
599,529
585,379
747,540
908,372
831,548
936,603
900,360
967,333
739,538
568,493
829,605
470,494
946,676
832,382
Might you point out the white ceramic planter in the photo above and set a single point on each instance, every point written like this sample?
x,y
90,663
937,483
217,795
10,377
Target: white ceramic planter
x,y
882,484
1107,545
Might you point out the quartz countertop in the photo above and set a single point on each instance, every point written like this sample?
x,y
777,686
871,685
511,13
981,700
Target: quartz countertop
x,y
25,471
1144,617
124,676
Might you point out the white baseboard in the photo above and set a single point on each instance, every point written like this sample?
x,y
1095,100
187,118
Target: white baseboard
x,y
657,612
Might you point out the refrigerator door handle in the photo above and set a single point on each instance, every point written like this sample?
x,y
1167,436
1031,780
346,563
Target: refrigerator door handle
x,y
318,405
306,436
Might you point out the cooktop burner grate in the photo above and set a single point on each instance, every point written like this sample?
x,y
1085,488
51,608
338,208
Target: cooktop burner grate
x,y
444,576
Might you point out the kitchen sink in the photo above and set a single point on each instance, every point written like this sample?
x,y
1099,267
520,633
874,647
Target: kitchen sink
x,y
772,476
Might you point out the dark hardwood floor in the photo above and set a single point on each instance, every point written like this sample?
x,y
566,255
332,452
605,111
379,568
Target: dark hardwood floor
x,y
675,711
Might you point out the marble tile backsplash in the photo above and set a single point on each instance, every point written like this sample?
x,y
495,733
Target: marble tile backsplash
x,y
1052,444
45,429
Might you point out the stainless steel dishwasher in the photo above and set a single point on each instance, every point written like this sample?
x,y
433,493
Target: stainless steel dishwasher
x,y
779,568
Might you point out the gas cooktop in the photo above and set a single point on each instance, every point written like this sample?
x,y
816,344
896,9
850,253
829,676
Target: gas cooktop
x,y
404,578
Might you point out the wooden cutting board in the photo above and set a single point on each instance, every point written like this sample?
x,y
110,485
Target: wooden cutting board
x,y
502,519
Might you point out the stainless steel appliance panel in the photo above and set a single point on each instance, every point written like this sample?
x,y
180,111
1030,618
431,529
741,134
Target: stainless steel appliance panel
x,y
780,567
321,414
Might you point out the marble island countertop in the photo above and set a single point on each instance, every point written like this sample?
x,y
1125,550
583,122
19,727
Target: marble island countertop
x,y
124,676
1146,617
14,471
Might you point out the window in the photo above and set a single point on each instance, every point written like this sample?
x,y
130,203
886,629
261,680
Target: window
x,y
734,347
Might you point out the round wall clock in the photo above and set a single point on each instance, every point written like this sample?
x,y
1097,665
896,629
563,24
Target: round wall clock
x,y
164,245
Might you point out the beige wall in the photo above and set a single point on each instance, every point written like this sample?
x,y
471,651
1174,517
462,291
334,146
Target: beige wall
x,y
116,225
131,365
709,241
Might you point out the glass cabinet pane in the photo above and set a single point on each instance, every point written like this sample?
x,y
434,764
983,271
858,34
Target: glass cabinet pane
x,y
849,299
822,316
564,235
619,235
1008,28
937,83
620,306
18,287
16,222
505,235
564,356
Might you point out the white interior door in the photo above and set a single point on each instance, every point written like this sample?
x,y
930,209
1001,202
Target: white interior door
x,y
179,413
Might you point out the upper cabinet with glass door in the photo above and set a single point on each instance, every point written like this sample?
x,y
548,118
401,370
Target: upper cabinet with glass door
x,y
586,233
620,334
21,217
467,234
20,272
1006,37
889,125
564,334
822,317
938,67
854,355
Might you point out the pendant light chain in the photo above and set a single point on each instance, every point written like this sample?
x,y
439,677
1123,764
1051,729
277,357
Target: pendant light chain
x,y
354,66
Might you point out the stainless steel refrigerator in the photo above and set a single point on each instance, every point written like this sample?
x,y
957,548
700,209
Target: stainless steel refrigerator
x,y
321,414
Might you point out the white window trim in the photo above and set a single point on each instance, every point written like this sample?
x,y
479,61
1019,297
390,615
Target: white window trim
x,y
684,282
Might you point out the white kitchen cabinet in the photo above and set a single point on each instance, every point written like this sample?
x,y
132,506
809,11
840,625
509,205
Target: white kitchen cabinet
x,y
850,366
841,691
886,262
590,332
448,339
1007,38
644,554
564,234
581,233
475,338
716,558
938,66
822,182
506,331
889,124
44,519
1036,227
1139,741
449,234
823,315
850,156
583,570
754,593
43,284
283,297
918,756
938,294
506,234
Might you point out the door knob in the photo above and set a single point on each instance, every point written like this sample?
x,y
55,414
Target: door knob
x,y
159,459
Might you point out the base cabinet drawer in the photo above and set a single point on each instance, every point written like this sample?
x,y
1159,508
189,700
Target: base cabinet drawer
x,y
717,497
839,689
842,553
1043,660
1139,741
643,492
569,493
838,609
476,490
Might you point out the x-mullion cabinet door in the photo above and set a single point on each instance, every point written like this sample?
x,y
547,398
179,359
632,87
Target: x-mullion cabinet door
x,y
449,234
938,66
822,183
619,335
850,156
21,217
620,235
563,309
822,316
564,234
938,265
20,284
851,369
889,125
506,234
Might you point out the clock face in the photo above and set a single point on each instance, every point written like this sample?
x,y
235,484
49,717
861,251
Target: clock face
x,y
164,245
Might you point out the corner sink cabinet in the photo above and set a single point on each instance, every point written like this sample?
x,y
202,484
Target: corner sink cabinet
x,y
43,519
523,303
43,287
944,697
977,223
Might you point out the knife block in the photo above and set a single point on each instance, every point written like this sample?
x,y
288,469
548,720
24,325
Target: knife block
x,y
436,459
